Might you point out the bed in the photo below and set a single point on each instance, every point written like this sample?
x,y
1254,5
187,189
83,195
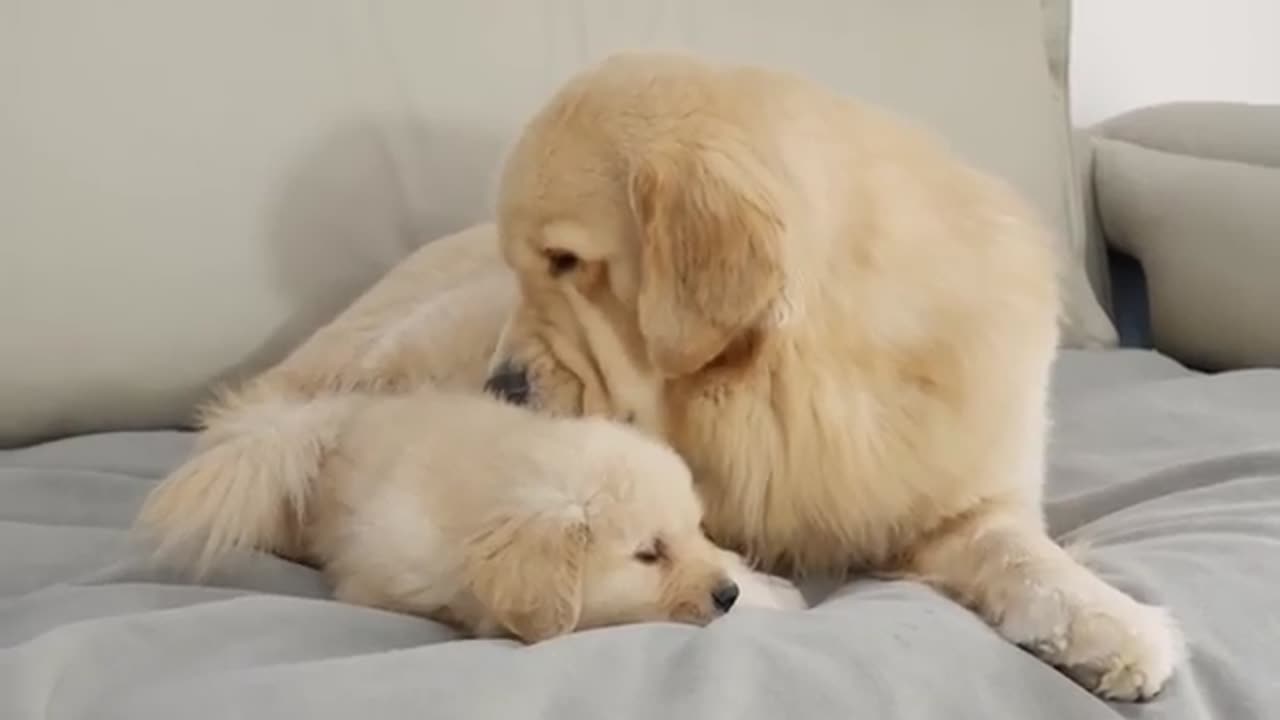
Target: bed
x,y
190,189
1171,479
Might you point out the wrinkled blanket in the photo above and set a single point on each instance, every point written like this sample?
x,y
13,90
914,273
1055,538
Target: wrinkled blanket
x,y
1173,478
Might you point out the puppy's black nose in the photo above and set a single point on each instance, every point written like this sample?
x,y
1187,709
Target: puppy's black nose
x,y
509,382
724,596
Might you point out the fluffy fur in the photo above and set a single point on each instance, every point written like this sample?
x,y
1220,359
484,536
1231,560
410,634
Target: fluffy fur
x,y
843,329
460,508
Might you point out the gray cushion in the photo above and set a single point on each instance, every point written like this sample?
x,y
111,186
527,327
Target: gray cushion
x,y
1235,131
1202,215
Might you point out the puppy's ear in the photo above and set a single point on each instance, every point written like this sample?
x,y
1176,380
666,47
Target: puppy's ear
x,y
711,257
527,570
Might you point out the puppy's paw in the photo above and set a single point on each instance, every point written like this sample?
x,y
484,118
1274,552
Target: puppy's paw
x,y
1116,647
771,592
759,590
762,590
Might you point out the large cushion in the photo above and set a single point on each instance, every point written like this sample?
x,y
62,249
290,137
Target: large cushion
x,y
1094,253
1192,190
189,189
1239,132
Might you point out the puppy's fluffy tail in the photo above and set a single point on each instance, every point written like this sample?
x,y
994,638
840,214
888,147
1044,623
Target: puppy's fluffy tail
x,y
248,484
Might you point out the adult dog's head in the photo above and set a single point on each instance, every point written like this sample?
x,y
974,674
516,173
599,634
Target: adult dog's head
x,y
643,213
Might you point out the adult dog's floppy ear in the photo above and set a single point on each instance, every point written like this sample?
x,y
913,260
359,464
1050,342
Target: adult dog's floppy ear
x,y
711,257
527,570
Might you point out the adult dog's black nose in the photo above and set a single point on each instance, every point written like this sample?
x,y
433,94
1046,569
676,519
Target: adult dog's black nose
x,y
509,382
724,596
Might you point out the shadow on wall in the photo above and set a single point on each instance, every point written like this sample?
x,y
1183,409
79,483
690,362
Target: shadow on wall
x,y
360,200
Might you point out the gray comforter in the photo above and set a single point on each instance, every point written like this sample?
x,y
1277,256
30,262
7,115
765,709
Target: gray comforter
x,y
1173,478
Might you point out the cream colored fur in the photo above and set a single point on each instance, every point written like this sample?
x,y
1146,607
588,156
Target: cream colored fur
x,y
454,506
844,330
433,321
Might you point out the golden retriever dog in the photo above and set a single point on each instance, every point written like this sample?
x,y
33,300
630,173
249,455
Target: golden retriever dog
x,y
844,330
473,512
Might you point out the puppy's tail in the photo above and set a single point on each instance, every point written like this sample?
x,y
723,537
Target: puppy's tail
x,y
248,484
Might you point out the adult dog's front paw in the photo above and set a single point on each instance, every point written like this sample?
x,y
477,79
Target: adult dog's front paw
x,y
1114,646
1125,657
1040,597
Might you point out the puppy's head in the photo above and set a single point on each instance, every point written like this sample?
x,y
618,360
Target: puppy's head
x,y
618,540
641,213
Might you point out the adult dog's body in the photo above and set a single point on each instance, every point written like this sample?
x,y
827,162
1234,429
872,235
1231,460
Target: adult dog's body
x,y
844,330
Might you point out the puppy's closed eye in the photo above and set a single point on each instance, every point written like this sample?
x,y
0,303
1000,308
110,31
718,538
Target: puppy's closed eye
x,y
651,554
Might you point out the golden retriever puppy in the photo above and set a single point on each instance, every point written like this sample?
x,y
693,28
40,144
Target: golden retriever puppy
x,y
846,331
470,511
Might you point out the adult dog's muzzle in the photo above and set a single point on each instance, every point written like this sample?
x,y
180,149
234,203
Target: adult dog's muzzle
x,y
510,383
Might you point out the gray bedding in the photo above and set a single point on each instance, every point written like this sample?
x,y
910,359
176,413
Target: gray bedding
x,y
1174,478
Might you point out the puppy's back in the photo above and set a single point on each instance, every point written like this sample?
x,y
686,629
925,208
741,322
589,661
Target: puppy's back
x,y
411,478
429,442
451,458
416,478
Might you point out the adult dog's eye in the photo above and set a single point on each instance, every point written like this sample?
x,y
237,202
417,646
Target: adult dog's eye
x,y
561,262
